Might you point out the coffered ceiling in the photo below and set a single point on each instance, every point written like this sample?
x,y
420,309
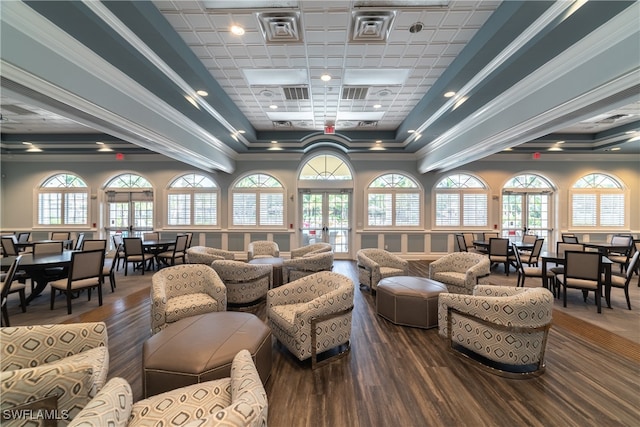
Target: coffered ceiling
x,y
526,76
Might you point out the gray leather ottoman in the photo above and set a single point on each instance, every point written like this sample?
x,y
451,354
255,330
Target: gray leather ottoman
x,y
201,348
409,301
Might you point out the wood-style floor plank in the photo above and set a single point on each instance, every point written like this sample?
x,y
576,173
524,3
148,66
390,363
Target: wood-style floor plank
x,y
401,376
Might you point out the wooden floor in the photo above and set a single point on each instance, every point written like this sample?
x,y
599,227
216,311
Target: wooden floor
x,y
401,376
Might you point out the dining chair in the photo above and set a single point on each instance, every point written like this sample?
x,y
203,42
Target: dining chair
x,y
622,281
462,244
189,238
9,246
569,238
491,235
561,248
23,237
582,270
85,272
529,239
499,252
118,247
9,286
178,251
621,257
532,257
526,271
101,244
47,248
134,253
152,235
79,240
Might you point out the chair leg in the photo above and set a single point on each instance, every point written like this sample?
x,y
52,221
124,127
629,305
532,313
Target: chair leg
x,y
5,315
112,280
23,300
68,302
53,297
626,294
100,294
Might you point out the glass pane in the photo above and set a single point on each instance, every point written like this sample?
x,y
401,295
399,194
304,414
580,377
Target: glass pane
x,y
193,180
76,208
512,212
538,211
50,208
143,215
597,180
206,209
583,210
448,209
271,209
612,210
244,208
338,211
460,180
325,167
118,215
393,180
257,181
312,218
179,209
527,181
379,210
407,209
64,180
129,181
474,210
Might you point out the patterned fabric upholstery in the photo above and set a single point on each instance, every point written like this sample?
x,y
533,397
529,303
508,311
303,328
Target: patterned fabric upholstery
x,y
262,249
460,271
377,264
205,255
308,264
312,249
291,308
185,290
503,324
236,401
71,361
245,282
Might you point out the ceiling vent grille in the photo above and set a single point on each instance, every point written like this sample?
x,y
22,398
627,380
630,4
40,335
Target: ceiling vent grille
x,y
280,27
296,93
368,26
367,124
354,92
282,124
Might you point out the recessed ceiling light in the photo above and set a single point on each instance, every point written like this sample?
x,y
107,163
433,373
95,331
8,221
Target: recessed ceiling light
x,y
26,143
325,77
615,149
560,142
237,30
459,102
241,131
377,106
273,106
105,149
555,149
449,94
508,149
379,141
192,101
410,131
33,149
99,142
202,92
274,142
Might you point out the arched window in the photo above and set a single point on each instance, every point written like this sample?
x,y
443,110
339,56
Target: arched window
x,y
461,201
325,167
258,200
526,206
192,199
394,199
129,204
597,200
63,199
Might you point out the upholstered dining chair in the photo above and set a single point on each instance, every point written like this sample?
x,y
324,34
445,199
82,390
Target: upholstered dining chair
x,y
622,281
529,257
85,273
178,251
48,248
525,271
79,240
569,238
621,257
185,290
499,252
582,270
262,249
502,329
134,253
10,286
312,315
376,264
9,246
118,247
463,244
101,244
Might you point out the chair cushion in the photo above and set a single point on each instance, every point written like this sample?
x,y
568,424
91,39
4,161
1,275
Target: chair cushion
x,y
450,278
188,305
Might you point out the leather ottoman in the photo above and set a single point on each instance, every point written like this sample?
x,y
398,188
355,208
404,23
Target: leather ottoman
x,y
409,301
201,348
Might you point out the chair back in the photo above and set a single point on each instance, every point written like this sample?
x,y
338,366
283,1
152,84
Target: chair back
x,y
132,246
118,243
94,245
487,236
9,277
570,238
535,252
189,237
498,246
181,243
86,265
468,239
529,239
462,245
9,245
154,235
79,241
583,265
562,247
622,240
60,235
633,265
48,248
516,255
23,237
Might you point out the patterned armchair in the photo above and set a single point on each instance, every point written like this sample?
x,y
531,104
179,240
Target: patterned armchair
x,y
312,314
503,328
312,249
377,264
185,290
246,283
263,249
239,400
205,255
69,362
313,262
460,271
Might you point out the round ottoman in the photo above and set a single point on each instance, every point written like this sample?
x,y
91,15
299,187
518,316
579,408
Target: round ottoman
x,y
409,301
201,348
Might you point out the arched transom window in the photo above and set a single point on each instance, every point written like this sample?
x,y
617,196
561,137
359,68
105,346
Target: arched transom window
x,y
598,200
129,203
258,200
63,200
192,199
325,167
460,201
394,199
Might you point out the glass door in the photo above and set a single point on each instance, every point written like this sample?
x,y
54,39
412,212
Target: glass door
x,y
526,213
325,217
128,214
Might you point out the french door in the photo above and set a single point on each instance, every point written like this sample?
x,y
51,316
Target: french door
x,y
129,213
526,213
325,217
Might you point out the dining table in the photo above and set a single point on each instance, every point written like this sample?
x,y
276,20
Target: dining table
x,y
36,266
553,258
605,247
22,245
484,245
156,247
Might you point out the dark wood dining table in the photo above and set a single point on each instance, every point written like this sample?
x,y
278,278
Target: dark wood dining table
x,y
156,247
552,257
21,245
604,247
36,266
484,244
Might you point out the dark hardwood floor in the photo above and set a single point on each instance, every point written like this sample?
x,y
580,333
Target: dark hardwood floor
x,y
401,376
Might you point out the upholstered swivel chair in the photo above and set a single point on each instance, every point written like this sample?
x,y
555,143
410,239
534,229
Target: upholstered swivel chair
x,y
460,271
504,329
246,283
206,255
376,264
308,250
312,314
313,262
239,400
262,249
70,361
185,290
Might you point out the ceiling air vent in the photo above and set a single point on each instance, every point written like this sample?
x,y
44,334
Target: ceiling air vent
x,y
295,93
282,124
367,124
354,92
371,26
280,27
